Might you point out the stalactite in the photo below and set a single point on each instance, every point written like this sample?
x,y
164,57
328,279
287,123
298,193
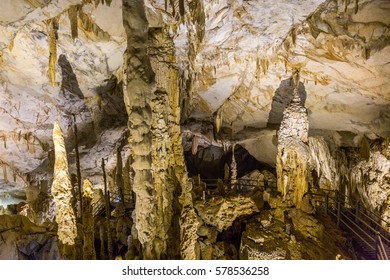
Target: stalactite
x,y
364,148
366,52
181,8
72,14
88,222
172,2
14,174
5,176
110,247
195,143
218,120
346,3
78,169
294,35
62,194
356,6
52,37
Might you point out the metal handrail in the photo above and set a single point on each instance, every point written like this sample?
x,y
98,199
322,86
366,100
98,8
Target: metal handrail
x,y
381,248
367,210
341,213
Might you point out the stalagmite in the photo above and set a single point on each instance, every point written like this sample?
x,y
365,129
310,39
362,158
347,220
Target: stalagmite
x,y
233,170
108,214
119,172
127,186
61,190
88,222
293,152
78,169
52,37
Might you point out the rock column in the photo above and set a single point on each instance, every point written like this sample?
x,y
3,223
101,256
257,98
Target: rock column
x,y
152,101
62,194
293,152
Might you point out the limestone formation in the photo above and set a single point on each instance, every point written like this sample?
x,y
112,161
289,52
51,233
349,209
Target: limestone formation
x,y
222,212
61,190
139,74
88,222
293,153
151,96
371,179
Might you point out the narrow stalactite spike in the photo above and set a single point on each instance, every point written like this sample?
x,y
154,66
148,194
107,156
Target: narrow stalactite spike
x,y
73,15
181,8
52,38
5,173
293,35
356,6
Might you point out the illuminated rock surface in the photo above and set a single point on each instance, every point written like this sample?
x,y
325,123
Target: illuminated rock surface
x,y
174,87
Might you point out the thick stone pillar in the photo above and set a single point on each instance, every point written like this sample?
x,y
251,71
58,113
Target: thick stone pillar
x,y
61,190
152,101
293,152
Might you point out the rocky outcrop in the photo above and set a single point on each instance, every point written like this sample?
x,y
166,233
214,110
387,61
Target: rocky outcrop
x,y
296,236
61,190
20,239
370,178
221,212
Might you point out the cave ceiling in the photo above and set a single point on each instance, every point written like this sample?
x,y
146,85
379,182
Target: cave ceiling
x,y
235,59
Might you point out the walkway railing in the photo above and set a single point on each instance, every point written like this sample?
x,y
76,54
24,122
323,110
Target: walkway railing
x,y
365,226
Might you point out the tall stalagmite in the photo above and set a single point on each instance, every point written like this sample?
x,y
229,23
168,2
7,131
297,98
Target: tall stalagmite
x,y
62,194
88,222
293,151
151,96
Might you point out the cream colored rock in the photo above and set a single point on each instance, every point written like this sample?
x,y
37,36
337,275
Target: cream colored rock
x,y
61,190
222,212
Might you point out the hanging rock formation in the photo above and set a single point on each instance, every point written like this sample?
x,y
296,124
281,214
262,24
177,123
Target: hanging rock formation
x,y
293,153
61,190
